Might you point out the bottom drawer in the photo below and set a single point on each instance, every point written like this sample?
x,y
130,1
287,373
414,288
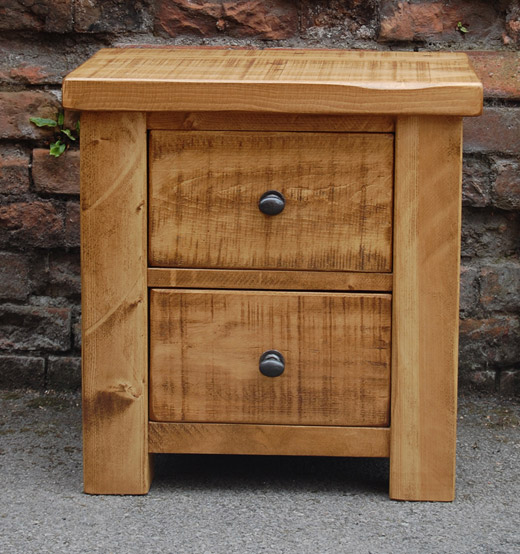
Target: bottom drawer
x,y
206,345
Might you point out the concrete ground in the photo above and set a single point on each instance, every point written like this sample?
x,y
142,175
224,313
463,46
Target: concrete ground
x,y
225,504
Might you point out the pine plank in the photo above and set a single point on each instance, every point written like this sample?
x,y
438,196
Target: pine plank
x,y
268,280
268,440
426,303
114,303
250,121
205,347
205,187
285,81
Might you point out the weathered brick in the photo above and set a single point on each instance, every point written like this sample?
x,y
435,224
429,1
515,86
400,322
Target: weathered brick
x,y
34,328
72,224
489,343
512,31
64,274
490,234
508,382
14,170
496,130
436,20
476,179
76,328
264,19
468,289
17,107
35,60
483,380
45,15
31,224
112,16
500,286
64,373
14,276
499,73
56,175
506,188
22,372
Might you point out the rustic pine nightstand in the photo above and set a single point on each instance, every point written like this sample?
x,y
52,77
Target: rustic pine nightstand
x,y
270,257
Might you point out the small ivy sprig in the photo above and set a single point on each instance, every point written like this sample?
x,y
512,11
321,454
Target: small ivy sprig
x,y
461,28
63,136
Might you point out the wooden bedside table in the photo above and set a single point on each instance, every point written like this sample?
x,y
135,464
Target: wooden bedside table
x,y
270,257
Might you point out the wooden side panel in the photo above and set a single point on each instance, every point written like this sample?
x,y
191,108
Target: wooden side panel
x,y
251,121
205,348
205,188
114,303
268,280
426,307
269,440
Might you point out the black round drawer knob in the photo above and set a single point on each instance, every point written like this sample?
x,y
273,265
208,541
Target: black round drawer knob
x,y
271,202
272,363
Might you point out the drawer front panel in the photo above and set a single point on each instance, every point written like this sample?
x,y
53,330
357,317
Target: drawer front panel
x,y
205,348
205,188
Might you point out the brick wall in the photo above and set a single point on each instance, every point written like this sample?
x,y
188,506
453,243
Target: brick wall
x,y
39,205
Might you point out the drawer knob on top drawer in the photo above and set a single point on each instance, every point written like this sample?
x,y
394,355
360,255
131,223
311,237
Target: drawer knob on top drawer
x,y
271,202
272,363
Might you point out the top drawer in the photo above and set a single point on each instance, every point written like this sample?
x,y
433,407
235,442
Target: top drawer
x,y
205,188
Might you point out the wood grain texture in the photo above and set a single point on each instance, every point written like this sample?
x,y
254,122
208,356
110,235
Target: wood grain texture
x,y
287,81
269,280
270,440
251,121
205,347
426,308
114,303
205,188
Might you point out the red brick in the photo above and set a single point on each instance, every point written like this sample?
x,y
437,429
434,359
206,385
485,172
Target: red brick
x,y
14,276
100,16
506,188
268,19
436,20
499,73
14,170
56,175
31,224
496,130
17,107
45,15
34,328
72,224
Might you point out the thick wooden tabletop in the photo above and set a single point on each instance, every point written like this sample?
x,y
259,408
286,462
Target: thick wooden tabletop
x,y
275,80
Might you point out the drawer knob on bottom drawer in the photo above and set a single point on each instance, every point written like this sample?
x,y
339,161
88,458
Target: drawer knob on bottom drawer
x,y
272,363
271,202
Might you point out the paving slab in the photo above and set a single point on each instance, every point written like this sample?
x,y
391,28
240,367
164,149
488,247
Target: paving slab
x,y
247,504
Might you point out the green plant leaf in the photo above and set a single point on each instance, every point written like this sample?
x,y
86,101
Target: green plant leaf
x,y
77,125
43,122
68,132
61,118
57,148
461,28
